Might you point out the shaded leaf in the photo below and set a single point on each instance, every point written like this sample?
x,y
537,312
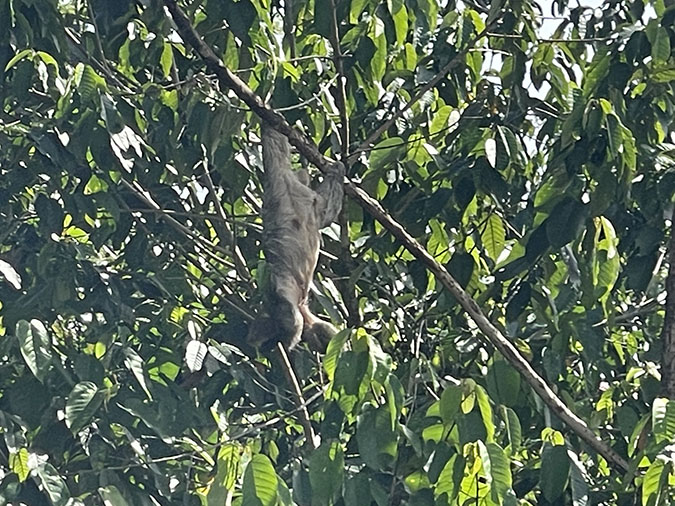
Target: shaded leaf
x,y
35,346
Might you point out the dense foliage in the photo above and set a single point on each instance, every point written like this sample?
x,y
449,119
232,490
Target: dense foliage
x,y
527,146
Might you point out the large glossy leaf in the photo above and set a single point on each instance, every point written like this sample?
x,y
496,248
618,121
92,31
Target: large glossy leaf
x,y
35,345
376,439
11,276
52,484
555,467
81,405
663,419
493,236
654,482
260,482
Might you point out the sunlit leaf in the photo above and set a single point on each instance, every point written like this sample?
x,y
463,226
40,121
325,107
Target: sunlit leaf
x,y
81,404
10,275
52,484
260,482
654,482
493,236
18,463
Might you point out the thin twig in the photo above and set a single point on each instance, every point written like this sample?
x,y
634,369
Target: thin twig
x,y
199,240
291,377
548,41
239,261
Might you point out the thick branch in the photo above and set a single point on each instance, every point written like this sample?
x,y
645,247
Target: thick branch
x,y
311,152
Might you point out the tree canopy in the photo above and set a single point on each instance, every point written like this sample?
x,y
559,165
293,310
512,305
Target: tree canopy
x,y
502,272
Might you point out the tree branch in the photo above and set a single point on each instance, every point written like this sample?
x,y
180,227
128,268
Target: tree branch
x,y
347,287
292,378
668,332
311,152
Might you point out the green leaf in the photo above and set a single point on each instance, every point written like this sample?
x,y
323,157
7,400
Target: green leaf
x,y
608,260
110,115
25,53
18,463
430,10
351,374
500,469
378,63
81,405
661,45
326,468
629,152
597,71
440,120
663,419
260,482
35,346
47,59
400,16
355,9
88,82
284,495
10,275
655,481
485,409
240,16
166,59
503,382
555,466
451,399
134,363
552,190
449,479
229,457
386,153
357,488
513,429
494,236
377,442
663,75
565,222
333,351
112,496
51,483
615,137
95,185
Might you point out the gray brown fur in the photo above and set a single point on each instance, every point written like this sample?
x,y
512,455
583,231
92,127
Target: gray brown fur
x,y
293,213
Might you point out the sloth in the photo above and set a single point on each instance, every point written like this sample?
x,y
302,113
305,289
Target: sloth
x,y
293,213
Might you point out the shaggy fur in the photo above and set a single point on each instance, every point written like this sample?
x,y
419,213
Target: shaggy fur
x,y
293,214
